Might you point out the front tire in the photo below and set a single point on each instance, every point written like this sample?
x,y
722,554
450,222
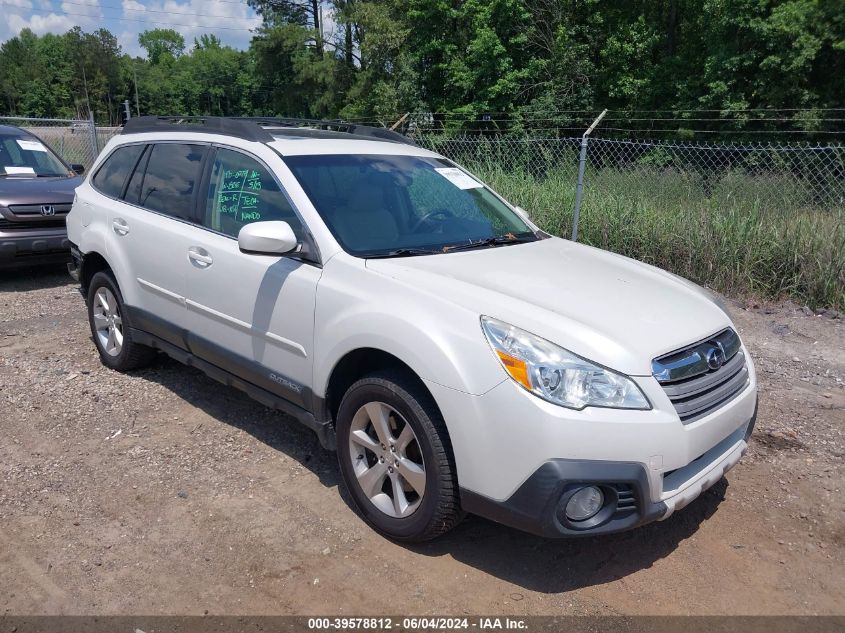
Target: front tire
x,y
396,458
107,318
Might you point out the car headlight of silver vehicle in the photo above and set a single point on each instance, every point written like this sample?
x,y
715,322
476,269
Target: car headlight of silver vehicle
x,y
558,375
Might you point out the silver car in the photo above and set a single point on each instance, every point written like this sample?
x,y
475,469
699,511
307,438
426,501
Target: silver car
x,y
36,193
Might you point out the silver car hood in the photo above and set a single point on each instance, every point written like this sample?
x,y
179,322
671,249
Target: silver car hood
x,y
47,190
610,309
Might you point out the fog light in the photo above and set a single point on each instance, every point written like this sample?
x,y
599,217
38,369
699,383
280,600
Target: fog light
x,y
584,504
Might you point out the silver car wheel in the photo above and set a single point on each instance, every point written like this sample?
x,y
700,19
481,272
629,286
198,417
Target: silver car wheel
x,y
107,322
387,459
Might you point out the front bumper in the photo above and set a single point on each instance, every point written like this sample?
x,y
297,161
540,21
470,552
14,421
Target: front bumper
x,y
538,504
25,248
516,454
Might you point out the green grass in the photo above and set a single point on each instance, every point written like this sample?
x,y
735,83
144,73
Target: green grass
x,y
740,235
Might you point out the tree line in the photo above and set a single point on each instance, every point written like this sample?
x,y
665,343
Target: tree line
x,y
465,62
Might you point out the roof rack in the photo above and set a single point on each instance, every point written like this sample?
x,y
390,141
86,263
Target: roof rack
x,y
254,128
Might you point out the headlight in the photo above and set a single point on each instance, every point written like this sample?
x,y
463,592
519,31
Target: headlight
x,y
557,375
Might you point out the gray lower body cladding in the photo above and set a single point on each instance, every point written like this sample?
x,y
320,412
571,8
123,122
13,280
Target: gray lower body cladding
x,y
232,370
536,505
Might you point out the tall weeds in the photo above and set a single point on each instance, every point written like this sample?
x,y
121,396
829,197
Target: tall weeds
x,y
724,234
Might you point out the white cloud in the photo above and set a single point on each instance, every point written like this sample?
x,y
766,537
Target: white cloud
x,y
230,21
43,17
19,19
329,25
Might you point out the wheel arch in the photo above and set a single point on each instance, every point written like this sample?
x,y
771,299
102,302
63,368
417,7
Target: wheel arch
x,y
92,263
357,363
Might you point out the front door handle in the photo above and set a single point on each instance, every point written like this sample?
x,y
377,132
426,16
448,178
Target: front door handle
x,y
120,226
200,257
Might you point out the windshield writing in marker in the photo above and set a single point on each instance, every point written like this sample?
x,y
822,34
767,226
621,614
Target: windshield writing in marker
x,y
240,193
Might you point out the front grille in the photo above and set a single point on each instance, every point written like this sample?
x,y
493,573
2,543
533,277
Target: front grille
x,y
35,209
47,223
704,376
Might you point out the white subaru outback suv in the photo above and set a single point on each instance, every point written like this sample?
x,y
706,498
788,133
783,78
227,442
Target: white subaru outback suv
x,y
456,357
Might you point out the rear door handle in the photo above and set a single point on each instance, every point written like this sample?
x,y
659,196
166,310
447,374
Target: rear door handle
x,y
120,226
200,257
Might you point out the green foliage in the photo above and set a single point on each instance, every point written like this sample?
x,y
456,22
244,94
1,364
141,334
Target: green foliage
x,y
526,61
517,65
726,238
162,45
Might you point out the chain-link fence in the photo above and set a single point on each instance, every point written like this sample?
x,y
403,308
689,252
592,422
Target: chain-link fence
x,y
74,140
105,134
782,177
764,218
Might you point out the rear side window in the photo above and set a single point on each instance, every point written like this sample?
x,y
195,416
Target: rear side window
x,y
170,180
111,176
133,190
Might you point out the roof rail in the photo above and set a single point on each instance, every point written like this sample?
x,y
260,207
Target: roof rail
x,y
254,128
337,125
208,124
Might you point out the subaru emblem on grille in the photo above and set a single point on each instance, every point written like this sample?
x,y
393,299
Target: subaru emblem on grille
x,y
715,358
48,209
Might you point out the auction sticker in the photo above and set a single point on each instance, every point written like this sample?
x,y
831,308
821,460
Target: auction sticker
x,y
32,146
458,178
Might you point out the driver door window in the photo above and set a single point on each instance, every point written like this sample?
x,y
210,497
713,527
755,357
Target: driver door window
x,y
241,190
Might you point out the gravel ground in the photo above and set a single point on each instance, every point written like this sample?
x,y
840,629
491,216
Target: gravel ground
x,y
162,492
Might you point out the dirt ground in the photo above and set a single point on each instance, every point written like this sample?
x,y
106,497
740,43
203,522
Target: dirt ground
x,y
162,492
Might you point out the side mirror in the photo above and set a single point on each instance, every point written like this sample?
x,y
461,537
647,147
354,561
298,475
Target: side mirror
x,y
522,212
78,169
267,238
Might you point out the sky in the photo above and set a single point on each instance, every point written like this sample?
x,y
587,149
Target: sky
x,y
230,20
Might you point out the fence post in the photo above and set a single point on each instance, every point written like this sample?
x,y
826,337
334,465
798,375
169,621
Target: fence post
x,y
582,164
94,144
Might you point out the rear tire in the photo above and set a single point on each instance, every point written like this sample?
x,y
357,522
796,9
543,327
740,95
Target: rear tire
x,y
109,326
401,475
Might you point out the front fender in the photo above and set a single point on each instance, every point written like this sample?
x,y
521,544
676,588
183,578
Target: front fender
x,y
440,341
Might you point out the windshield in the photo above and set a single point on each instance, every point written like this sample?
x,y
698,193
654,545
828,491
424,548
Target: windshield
x,y
27,156
383,206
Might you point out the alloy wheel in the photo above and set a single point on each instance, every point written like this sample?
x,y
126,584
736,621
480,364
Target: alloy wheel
x,y
108,323
387,459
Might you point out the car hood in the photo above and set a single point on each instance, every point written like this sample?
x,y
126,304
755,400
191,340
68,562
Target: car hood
x,y
38,190
610,309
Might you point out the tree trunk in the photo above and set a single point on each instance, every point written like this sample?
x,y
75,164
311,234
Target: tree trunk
x,y
672,27
318,23
348,44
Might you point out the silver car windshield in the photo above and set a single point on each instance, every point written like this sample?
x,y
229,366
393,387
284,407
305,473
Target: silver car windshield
x,y
27,156
390,206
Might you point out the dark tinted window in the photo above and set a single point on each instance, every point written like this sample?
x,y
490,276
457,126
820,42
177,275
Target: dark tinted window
x,y
133,191
171,177
111,177
241,191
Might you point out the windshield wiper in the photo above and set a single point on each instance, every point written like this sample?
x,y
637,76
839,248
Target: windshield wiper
x,y
403,252
499,240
